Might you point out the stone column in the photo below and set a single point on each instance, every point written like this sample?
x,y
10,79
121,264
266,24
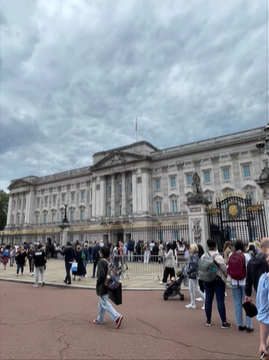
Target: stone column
x,y
113,195
9,211
181,186
134,191
103,196
123,198
93,197
29,206
236,171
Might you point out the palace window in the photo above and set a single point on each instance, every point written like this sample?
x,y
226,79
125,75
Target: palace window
x,y
207,177
82,195
72,217
120,189
131,187
63,198
246,171
158,207
46,200
45,218
72,196
36,218
109,190
158,184
189,179
37,202
226,174
54,198
82,214
119,210
131,208
109,211
174,206
18,218
172,182
53,217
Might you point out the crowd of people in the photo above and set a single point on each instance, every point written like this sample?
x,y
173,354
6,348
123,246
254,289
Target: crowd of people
x,y
249,285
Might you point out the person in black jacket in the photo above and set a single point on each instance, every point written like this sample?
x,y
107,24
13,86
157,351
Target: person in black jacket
x,y
20,259
102,290
95,258
257,265
39,258
69,256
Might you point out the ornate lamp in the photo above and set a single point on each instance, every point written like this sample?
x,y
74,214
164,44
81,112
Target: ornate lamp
x,y
263,145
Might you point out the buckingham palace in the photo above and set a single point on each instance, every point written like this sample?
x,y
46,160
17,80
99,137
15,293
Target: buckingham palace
x,y
135,191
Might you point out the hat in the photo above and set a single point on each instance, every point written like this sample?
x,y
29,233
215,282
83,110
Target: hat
x,y
250,309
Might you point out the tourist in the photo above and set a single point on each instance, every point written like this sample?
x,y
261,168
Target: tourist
x,y
263,308
39,259
217,286
238,291
200,282
102,291
192,273
227,249
86,258
30,254
146,252
20,259
69,256
95,258
170,264
80,267
5,255
12,255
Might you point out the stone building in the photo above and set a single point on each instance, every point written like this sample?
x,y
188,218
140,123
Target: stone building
x,y
135,191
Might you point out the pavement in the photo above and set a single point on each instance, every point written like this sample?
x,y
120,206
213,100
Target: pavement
x,y
55,273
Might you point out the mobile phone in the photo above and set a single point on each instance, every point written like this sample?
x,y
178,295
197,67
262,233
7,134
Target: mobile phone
x,y
263,354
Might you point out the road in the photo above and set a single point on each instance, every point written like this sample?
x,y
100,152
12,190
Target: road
x,y
56,323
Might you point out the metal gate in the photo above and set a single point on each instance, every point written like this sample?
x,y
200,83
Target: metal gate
x,y
236,218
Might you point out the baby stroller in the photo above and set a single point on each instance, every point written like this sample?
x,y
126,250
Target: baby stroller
x,y
173,289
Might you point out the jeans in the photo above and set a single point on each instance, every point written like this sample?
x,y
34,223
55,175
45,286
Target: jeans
x,y
217,287
39,269
239,298
194,288
94,267
146,257
103,306
130,256
20,266
85,262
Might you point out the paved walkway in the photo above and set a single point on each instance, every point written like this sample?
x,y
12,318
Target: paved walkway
x,y
55,273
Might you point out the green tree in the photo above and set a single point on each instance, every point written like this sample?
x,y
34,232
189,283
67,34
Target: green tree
x,y
3,209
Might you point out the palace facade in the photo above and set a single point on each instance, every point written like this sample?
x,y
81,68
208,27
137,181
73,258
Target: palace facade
x,y
135,191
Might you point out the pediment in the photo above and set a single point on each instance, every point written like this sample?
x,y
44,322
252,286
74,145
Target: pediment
x,y
118,158
16,184
248,187
227,189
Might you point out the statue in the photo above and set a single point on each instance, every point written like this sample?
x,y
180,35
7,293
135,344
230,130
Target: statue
x,y
195,185
197,230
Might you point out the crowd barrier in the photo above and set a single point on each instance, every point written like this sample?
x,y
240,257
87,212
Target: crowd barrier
x,y
146,266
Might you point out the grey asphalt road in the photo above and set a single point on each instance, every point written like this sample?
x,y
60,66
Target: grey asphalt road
x,y
56,323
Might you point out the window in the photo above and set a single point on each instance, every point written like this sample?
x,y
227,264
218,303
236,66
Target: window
x,y
173,182
158,207
250,195
176,235
72,197
209,198
54,199
63,198
109,190
82,195
226,174
72,218
207,177
45,218
36,219
131,187
37,202
174,206
158,184
189,179
246,171
82,214
120,189
46,200
119,210
109,211
53,217
131,208
62,215
266,164
18,218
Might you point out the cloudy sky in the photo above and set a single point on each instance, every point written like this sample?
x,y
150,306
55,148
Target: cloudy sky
x,y
76,73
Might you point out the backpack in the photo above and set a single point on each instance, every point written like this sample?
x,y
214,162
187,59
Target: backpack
x,y
207,267
237,266
113,282
83,256
6,253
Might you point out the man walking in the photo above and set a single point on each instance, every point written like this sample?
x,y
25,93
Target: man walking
x,y
69,256
39,258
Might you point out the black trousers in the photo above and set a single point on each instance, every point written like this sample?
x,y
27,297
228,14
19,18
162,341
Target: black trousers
x,y
168,271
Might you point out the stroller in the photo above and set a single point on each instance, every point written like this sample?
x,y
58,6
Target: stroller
x,y
174,288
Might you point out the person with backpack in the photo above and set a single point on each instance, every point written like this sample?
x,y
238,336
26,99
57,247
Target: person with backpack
x,y
237,264
102,291
213,271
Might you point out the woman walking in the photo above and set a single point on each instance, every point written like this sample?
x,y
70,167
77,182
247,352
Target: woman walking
x,y
102,291
20,259
170,264
192,273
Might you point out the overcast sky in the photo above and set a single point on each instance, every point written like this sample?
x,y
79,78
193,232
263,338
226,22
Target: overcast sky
x,y
76,73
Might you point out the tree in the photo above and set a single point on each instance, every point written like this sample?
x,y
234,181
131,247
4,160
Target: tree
x,y
3,209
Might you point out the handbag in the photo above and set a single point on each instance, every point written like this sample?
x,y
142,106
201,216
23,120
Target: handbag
x,y
74,266
116,295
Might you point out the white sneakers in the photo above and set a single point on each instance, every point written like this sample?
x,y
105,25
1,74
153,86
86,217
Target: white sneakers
x,y
199,299
190,306
203,307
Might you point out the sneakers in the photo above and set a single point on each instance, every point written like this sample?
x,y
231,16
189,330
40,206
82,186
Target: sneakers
x,y
203,307
208,323
118,321
225,325
190,306
250,329
199,299
242,327
161,283
43,284
95,321
35,285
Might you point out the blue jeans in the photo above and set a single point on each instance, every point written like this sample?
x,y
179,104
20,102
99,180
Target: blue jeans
x,y
217,287
103,306
239,298
20,266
